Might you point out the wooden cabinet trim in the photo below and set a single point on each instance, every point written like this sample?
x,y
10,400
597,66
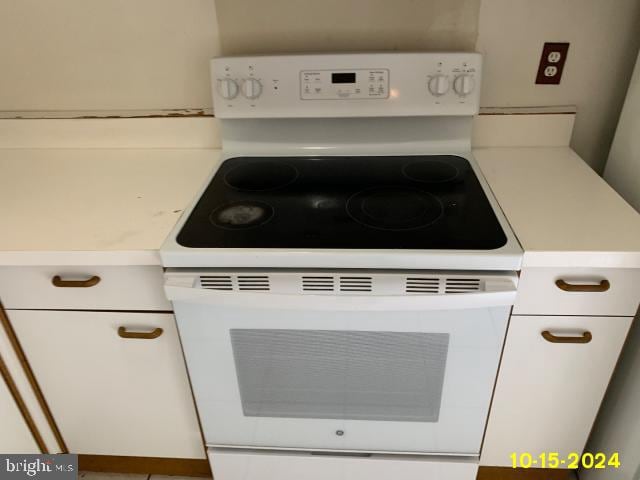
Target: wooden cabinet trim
x,y
200,468
508,473
188,467
8,328
13,389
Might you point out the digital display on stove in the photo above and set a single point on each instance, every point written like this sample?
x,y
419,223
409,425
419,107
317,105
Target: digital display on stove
x,y
348,77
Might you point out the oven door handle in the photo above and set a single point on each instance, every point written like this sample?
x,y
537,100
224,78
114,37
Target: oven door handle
x,y
267,300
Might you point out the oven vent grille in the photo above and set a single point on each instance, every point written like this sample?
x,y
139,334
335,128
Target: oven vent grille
x,y
216,282
235,282
422,285
253,282
318,284
462,285
355,284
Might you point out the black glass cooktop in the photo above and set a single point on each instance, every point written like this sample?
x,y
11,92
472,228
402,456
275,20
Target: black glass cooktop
x,y
362,202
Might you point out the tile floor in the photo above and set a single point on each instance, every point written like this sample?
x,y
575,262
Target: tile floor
x,y
132,476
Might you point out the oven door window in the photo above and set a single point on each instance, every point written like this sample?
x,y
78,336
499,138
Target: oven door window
x,y
349,375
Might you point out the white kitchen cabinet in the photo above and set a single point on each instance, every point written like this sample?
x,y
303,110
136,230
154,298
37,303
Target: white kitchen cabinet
x,y
578,291
15,436
112,395
83,287
548,394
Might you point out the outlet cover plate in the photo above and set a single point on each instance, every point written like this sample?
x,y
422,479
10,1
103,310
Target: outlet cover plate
x,y
554,56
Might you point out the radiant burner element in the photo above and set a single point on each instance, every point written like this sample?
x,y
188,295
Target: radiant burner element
x,y
431,171
240,215
394,208
259,177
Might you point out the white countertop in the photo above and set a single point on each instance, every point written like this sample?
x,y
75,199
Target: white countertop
x,y
116,206
563,213
94,206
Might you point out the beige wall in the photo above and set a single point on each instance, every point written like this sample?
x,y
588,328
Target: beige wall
x,y
105,54
258,26
152,54
623,164
604,37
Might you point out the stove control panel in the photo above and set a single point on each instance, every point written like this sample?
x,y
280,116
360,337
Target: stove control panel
x,y
346,85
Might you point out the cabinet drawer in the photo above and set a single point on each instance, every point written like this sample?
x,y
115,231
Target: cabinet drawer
x,y
113,391
548,390
253,465
578,291
83,288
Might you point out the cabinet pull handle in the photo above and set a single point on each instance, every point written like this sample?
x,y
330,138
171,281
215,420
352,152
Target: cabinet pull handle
x,y
155,333
89,282
603,286
586,337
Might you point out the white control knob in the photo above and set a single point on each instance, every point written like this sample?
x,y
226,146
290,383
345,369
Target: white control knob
x,y
251,88
227,88
438,85
464,84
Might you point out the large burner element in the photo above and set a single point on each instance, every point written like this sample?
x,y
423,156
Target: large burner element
x,y
394,208
431,171
260,177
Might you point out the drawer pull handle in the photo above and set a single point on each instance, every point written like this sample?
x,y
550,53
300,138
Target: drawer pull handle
x,y
586,337
89,282
603,286
155,333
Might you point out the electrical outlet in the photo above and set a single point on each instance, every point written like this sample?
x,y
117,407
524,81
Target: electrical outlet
x,y
554,56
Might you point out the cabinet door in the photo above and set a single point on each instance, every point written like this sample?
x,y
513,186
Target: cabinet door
x,y
111,395
547,394
15,436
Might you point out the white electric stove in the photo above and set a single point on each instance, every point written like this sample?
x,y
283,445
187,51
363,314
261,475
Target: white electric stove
x,y
342,284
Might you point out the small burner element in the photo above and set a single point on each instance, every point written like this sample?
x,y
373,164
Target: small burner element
x,y
261,176
394,208
430,171
241,215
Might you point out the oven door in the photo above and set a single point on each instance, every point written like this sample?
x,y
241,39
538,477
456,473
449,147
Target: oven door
x,y
396,374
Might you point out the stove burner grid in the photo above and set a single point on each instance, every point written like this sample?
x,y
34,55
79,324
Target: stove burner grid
x,y
430,171
261,176
241,215
394,208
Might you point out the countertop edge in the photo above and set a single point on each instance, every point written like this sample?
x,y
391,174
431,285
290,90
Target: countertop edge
x,y
84,257
580,259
